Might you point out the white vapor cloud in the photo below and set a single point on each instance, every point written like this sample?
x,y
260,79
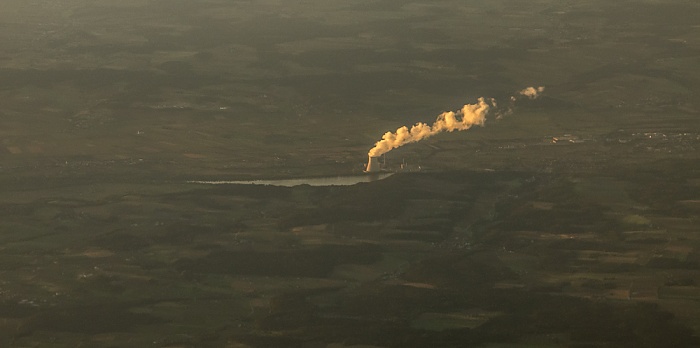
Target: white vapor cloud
x,y
463,119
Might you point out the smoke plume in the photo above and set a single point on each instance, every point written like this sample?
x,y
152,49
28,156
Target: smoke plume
x,y
532,92
469,115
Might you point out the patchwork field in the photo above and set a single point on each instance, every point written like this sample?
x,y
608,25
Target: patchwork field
x,y
572,221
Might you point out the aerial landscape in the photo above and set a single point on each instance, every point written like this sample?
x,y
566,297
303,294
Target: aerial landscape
x,y
236,173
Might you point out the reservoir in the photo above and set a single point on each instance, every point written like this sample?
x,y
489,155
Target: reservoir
x,y
319,181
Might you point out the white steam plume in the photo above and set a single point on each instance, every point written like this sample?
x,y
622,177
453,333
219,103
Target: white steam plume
x,y
449,121
532,92
469,115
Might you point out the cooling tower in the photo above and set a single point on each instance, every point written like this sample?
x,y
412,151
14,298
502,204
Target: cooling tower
x,y
372,165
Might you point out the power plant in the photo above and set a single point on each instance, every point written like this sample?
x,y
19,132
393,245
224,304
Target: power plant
x,y
373,165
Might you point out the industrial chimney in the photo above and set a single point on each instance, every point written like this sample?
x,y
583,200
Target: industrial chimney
x,y
372,165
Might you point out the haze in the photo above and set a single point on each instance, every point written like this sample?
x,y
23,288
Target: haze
x,y
569,219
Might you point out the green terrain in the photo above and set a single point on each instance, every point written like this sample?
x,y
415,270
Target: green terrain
x,y
571,222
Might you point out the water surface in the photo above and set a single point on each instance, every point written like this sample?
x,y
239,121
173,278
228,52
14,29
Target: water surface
x,y
321,181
